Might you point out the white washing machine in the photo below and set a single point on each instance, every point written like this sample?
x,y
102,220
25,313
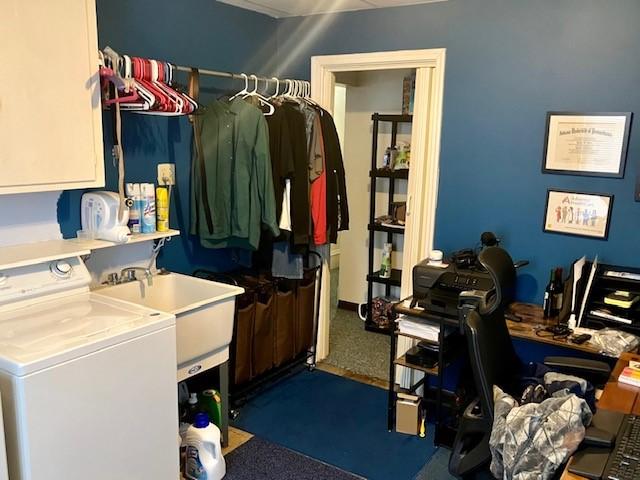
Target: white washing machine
x,y
88,382
4,472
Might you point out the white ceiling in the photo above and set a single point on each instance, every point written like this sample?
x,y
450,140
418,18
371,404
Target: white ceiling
x,y
297,8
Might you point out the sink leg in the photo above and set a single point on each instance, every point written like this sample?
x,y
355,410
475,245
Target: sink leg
x,y
224,394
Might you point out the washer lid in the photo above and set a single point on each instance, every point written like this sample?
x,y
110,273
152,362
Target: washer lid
x,y
50,332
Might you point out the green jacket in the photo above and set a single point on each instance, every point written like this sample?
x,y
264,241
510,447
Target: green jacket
x,y
239,184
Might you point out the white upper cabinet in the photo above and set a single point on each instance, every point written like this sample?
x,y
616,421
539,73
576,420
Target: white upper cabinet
x,y
50,114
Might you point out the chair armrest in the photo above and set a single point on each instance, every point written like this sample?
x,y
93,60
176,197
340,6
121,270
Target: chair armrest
x,y
580,367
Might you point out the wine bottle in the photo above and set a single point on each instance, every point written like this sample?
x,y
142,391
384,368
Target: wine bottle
x,y
559,292
549,296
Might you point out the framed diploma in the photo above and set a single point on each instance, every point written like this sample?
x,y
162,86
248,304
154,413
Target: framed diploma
x,y
593,144
581,214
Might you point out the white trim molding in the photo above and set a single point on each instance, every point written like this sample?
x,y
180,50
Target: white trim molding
x,y
425,151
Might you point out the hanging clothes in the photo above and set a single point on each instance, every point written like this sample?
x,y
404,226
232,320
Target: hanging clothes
x,y
300,209
337,205
318,185
314,138
237,171
281,152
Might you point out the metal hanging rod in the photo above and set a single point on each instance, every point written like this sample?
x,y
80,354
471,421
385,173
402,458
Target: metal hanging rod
x,y
238,76
108,51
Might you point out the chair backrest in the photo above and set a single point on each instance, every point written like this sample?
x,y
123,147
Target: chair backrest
x,y
500,266
491,353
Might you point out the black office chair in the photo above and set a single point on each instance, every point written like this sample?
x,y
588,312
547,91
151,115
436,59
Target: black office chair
x,y
494,362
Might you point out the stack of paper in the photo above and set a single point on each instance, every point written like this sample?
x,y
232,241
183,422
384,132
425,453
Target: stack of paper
x,y
419,329
607,314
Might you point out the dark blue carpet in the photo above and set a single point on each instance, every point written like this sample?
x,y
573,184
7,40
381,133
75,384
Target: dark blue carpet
x,y
338,421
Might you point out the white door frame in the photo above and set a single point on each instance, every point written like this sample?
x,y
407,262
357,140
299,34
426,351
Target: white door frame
x,y
422,192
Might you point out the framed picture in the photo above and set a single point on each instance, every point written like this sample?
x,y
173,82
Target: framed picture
x,y
593,144
581,214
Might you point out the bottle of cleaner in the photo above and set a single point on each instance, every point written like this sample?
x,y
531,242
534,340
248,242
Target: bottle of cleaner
x,y
212,406
204,460
149,208
162,209
192,408
133,192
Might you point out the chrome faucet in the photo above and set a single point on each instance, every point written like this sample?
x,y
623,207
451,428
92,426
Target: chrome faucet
x,y
129,274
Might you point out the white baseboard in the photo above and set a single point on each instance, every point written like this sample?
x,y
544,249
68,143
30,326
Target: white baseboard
x,y
335,259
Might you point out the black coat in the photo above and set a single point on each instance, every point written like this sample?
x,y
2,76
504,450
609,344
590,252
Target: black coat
x,y
300,208
337,205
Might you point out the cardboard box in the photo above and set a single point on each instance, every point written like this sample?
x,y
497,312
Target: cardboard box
x,y
408,414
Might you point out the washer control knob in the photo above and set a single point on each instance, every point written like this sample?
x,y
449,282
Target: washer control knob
x,y
61,269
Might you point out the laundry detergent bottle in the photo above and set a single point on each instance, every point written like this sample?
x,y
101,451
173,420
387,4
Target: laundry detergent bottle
x,y
204,460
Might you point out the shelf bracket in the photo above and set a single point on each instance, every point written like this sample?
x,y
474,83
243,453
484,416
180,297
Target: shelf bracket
x,y
156,249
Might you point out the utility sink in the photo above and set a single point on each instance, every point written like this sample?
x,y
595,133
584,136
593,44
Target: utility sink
x,y
204,313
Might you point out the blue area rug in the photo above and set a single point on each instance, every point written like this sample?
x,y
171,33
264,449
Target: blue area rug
x,y
337,421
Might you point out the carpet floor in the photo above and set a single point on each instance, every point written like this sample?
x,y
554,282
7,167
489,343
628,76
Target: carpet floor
x,y
261,460
351,347
438,469
337,421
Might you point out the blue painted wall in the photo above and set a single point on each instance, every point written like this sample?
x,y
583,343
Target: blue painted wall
x,y
202,33
508,63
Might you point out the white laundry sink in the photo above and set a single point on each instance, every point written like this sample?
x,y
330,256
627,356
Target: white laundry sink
x,y
204,313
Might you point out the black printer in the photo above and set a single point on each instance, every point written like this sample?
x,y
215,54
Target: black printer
x,y
437,287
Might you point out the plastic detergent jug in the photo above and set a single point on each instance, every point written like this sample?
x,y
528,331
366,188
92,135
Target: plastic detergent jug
x,y
204,460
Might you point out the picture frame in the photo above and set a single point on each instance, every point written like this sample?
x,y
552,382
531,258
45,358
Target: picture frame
x,y
578,213
587,144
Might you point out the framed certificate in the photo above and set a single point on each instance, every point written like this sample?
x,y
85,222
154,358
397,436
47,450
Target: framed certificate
x,y
581,214
593,144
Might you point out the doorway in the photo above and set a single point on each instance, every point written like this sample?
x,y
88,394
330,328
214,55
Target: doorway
x,y
425,152
355,342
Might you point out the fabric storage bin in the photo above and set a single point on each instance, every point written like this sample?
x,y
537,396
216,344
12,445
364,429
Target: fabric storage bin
x,y
243,339
305,309
263,332
285,310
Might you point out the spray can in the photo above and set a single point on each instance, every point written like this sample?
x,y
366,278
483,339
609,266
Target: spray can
x,y
162,209
133,192
149,208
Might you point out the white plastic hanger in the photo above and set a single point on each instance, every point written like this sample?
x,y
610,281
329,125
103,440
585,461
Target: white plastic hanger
x,y
277,87
263,100
245,90
287,92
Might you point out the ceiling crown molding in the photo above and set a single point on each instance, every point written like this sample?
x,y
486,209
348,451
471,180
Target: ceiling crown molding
x,y
318,7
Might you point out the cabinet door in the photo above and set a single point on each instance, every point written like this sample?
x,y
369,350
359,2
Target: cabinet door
x,y
50,114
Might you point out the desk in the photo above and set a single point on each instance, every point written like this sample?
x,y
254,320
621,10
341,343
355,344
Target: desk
x,y
533,320
616,396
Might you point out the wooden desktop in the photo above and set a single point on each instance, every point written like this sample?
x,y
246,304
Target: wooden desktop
x,y
532,328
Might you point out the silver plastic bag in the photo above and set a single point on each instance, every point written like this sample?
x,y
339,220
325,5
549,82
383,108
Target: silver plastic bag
x,y
614,342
